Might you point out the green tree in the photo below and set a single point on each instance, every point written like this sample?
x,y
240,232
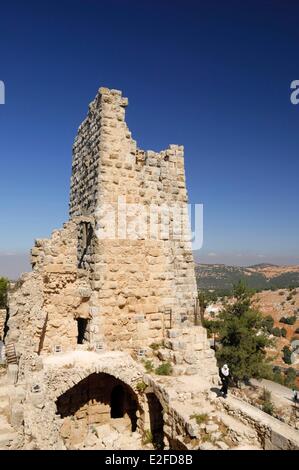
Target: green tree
x,y
212,326
277,376
283,332
268,323
276,332
287,353
290,377
3,291
289,320
242,337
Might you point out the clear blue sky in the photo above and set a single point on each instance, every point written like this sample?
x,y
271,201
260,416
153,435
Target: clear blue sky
x,y
212,75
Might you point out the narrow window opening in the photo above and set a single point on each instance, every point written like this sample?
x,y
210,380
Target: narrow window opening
x,y
84,243
82,326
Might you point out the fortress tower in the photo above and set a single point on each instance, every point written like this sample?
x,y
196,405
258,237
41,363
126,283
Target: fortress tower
x,y
120,274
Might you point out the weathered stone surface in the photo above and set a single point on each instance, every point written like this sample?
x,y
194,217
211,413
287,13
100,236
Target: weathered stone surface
x,y
211,428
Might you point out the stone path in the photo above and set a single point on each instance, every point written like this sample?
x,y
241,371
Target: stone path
x,y
208,424
114,436
277,434
283,394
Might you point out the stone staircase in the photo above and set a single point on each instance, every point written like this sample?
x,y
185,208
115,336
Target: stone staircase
x,y
7,433
190,351
197,420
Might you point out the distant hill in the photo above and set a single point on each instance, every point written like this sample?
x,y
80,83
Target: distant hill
x,y
260,276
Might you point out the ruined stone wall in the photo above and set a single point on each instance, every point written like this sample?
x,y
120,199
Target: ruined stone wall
x,y
26,315
45,303
3,314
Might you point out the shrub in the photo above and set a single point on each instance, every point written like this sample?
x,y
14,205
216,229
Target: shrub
x,y
94,431
283,332
278,377
290,377
147,437
268,323
207,438
4,284
266,395
141,386
200,418
276,332
281,292
149,366
267,405
164,369
287,355
155,346
292,320
289,320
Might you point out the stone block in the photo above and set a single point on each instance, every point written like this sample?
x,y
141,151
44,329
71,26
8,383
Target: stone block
x,y
279,441
12,373
17,416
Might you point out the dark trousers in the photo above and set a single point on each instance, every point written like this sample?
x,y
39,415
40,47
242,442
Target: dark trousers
x,y
224,387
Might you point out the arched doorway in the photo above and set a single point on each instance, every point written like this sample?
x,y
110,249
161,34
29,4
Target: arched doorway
x,y
99,399
156,421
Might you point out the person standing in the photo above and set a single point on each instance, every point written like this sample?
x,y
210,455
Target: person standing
x,y
224,376
295,396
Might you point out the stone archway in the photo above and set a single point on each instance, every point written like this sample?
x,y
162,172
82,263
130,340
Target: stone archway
x,y
62,373
99,399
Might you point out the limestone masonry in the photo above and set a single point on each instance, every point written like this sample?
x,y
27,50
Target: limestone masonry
x,y
111,292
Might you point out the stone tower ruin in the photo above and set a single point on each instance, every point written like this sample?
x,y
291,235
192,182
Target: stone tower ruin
x,y
102,339
120,274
